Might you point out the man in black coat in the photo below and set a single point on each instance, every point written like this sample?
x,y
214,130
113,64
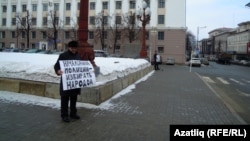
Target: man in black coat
x,y
156,63
68,95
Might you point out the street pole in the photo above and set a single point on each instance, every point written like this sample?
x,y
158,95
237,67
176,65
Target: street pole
x,y
85,50
144,18
197,47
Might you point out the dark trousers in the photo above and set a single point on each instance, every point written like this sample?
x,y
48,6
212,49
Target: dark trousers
x,y
65,99
156,65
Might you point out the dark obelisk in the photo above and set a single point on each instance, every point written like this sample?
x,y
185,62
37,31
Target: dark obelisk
x,y
85,50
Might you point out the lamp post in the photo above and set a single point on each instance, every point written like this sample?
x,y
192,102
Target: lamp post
x,y
85,50
153,43
144,16
197,46
198,28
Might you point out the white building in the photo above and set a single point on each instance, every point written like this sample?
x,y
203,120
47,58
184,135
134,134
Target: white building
x,y
166,30
238,41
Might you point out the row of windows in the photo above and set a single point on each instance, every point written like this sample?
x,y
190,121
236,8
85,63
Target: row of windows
x,y
118,20
34,7
34,21
92,20
132,4
67,35
118,5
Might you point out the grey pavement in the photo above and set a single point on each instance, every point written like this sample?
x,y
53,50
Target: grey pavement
x,y
172,95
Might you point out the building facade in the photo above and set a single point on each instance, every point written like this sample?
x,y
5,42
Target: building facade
x,y
165,32
234,41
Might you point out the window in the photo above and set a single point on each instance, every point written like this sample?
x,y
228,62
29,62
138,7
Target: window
x,y
24,8
45,20
34,7
118,35
132,19
2,34
4,22
132,4
148,3
117,48
92,20
118,5
161,19
92,5
33,34
56,20
45,7
23,34
68,6
33,45
161,3
23,22
13,34
44,36
104,34
13,21
91,35
160,35
67,34
105,5
105,20
161,49
4,9
118,19
33,21
67,21
56,6
13,8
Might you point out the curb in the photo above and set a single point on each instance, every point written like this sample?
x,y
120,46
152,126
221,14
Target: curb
x,y
93,95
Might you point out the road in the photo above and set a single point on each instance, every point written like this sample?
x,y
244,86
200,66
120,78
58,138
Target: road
x,y
231,83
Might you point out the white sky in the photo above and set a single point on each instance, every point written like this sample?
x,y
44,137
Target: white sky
x,y
215,14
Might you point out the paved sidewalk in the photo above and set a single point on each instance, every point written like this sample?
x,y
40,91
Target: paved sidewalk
x,y
170,96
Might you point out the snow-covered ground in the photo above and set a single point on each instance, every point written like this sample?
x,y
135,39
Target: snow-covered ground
x,y
40,67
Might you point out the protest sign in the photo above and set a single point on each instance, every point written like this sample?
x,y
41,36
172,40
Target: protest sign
x,y
77,74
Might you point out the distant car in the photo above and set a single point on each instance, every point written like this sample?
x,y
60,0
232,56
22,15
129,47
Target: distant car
x,y
33,50
204,61
170,61
101,53
10,50
195,62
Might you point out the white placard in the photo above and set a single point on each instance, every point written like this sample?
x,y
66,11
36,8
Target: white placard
x,y
77,74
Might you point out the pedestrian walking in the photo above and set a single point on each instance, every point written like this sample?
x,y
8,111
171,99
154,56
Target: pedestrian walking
x,y
157,59
68,96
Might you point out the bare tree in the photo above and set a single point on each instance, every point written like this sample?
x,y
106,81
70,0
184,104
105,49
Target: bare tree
x,y
74,29
25,24
53,28
116,31
190,42
17,32
102,25
131,28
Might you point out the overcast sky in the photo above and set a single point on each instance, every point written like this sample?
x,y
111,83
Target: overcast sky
x,y
215,14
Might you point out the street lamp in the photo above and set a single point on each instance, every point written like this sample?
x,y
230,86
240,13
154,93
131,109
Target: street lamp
x,y
198,28
197,46
144,16
153,43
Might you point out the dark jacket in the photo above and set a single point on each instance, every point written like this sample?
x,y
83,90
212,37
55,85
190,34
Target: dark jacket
x,y
67,55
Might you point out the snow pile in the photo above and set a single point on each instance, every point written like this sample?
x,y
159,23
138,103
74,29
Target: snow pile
x,y
40,67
